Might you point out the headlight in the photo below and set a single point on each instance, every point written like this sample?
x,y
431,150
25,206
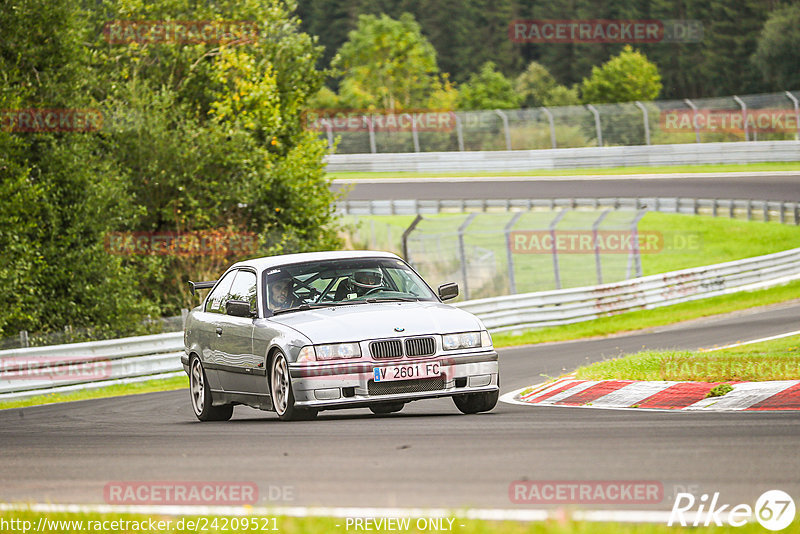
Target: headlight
x,y
337,350
464,340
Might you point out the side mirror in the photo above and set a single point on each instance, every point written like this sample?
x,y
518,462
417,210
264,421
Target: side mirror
x,y
238,308
448,291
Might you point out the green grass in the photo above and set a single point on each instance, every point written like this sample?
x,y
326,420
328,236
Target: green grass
x,y
664,169
640,319
694,241
778,359
169,384
293,525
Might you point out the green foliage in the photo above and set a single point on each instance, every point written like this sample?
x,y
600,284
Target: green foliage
x,y
536,87
388,64
196,137
487,89
623,78
719,390
776,52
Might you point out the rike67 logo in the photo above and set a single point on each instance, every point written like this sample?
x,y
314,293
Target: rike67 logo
x,y
774,510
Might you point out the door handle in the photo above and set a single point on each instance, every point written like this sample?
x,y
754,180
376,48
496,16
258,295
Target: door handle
x,y
219,331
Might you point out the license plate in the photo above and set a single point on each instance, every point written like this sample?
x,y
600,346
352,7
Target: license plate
x,y
407,372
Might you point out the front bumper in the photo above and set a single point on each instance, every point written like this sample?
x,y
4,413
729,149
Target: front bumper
x,y
349,384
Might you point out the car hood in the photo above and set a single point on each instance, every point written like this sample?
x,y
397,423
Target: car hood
x,y
359,322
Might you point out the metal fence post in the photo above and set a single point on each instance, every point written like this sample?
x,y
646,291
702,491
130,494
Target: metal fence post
x,y
595,226
371,126
552,126
596,123
406,233
694,119
505,128
744,116
459,133
414,133
184,315
791,97
462,253
646,121
552,229
329,130
23,339
512,283
636,254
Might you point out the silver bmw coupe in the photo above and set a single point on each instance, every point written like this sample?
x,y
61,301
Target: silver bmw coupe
x,y
301,333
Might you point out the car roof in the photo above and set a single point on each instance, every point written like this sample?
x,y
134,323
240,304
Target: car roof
x,y
286,259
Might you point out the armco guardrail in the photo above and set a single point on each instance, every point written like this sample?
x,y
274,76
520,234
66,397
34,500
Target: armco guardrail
x,y
565,306
40,370
60,368
762,210
568,158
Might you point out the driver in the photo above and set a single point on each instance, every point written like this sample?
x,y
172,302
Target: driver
x,y
358,283
280,293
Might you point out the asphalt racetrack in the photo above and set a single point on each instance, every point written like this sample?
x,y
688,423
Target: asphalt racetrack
x,y
428,455
757,186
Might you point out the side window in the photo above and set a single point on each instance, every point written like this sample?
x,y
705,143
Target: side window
x,y
214,302
243,288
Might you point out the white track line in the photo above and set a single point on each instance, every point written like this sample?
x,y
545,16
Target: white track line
x,y
739,344
520,514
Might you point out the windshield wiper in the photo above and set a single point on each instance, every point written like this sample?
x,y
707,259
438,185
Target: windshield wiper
x,y
302,307
391,299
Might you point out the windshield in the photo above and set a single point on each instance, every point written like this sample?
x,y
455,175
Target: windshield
x,y
334,282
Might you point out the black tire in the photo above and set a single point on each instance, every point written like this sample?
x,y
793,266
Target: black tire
x,y
201,395
382,409
280,386
470,403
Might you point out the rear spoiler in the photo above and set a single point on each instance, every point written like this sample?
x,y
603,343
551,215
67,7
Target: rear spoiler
x,y
194,286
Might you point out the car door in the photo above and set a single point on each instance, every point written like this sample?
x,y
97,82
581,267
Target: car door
x,y
208,322
239,369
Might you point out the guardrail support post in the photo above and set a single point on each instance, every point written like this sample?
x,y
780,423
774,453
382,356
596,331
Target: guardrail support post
x,y
646,121
512,282
23,339
749,209
714,204
731,209
766,211
796,213
597,127
552,228
407,233
552,126
462,252
744,116
598,266
184,315
694,119
504,117
791,97
783,207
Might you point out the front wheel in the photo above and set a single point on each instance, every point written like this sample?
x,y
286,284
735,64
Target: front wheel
x,y
470,403
201,395
282,394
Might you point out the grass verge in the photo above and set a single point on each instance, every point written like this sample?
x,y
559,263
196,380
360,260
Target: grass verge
x,y
637,320
663,169
88,522
778,359
150,386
